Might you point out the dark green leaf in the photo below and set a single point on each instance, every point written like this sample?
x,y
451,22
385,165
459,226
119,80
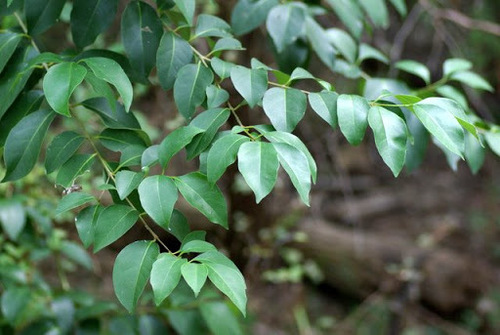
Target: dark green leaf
x,y
150,156
222,154
222,68
189,87
227,43
178,225
131,271
472,79
416,68
158,196
165,276
12,218
102,89
352,113
220,318
173,53
121,139
77,254
195,275
175,141
248,15
74,167
117,118
127,181
62,147
8,43
85,222
285,24
187,8
250,83
41,15
415,150
113,222
211,26
131,155
284,107
73,200
325,105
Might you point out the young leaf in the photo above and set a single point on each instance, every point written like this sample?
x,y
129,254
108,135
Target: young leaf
x,y
222,154
187,8
62,147
60,82
472,79
131,271
89,18
12,218
250,83
165,276
216,96
23,144
41,15
189,87
416,68
474,153
352,113
110,71
325,105
211,26
195,275
258,164
113,222
452,65
73,200
206,198
74,167
248,15
390,134
284,107
285,24
158,196
8,43
173,53
127,181
175,141
85,223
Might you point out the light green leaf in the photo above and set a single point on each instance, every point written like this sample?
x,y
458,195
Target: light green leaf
x,y
285,24
258,164
352,113
203,196
110,71
85,222
400,6
187,8
300,73
472,79
250,83
377,11
131,271
248,15
296,166
317,37
451,158
173,53
226,322
453,65
493,140
127,181
41,15
62,147
227,43
325,105
343,42
8,44
14,303
60,82
416,68
391,135
189,87
451,92
197,246
74,167
211,26
474,153
77,254
12,218
284,107
178,225
73,200
113,222
175,141
23,144
150,156
222,68
350,14
158,196
216,96
195,275
222,154
368,52
89,18
197,235
165,276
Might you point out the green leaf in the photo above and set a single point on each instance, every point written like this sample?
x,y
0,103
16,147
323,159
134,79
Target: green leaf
x,y
368,52
131,271
150,156
416,68
285,24
197,235
60,82
377,11
23,144
12,218
352,113
178,225
89,18
102,89
216,96
113,222
127,181
195,275
451,92
77,254
472,79
74,167
415,150
248,15
14,303
227,43
197,246
350,14
474,153
451,158
41,15
8,44
175,141
211,26
300,73
121,139
317,37
187,8
165,276
284,107
210,120
141,32
226,277
73,200
325,105
189,87
225,322
62,147
400,6
206,198
222,154
85,222
250,83
343,42
173,53
115,118
390,134
258,164
111,72
493,140
158,195
443,125
222,68
453,65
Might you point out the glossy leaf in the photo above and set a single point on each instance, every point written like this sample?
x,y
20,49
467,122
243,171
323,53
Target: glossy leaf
x,y
85,222
211,26
131,271
248,15
165,276
175,142
158,195
451,92
472,79
250,83
173,53
115,118
285,24
325,105
62,147
127,181
74,167
284,107
258,164
73,200
89,18
453,65
352,113
113,222
23,144
390,134
8,43
416,68
41,15
187,8
195,275
189,87
178,225
12,218
203,196
222,154
60,82
216,96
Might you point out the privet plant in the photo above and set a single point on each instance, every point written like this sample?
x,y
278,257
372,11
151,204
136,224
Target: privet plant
x,y
86,93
